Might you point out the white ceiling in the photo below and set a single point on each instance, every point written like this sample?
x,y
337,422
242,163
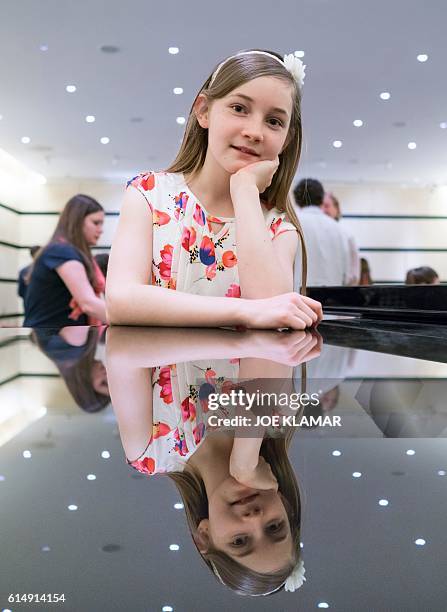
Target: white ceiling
x,y
354,50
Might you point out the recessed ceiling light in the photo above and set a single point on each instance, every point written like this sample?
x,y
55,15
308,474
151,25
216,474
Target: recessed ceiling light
x,y
419,542
174,547
109,49
104,140
412,145
383,502
26,139
90,118
411,452
385,95
27,454
323,604
45,549
91,477
336,453
178,506
299,54
70,88
177,90
167,609
356,474
180,120
443,125
72,507
105,454
441,472
337,144
422,57
173,50
357,123
43,47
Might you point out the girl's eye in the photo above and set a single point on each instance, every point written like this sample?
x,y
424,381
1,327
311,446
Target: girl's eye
x,y
237,107
239,541
275,527
276,122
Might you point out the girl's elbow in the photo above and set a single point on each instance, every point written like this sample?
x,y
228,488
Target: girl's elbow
x,y
114,308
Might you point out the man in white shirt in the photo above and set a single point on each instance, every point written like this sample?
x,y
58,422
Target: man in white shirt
x,y
327,262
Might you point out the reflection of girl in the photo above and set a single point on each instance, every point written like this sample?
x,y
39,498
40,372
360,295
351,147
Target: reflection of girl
x,y
212,241
240,494
73,350
65,285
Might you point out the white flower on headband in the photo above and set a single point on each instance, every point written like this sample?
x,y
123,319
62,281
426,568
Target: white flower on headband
x,y
296,578
296,68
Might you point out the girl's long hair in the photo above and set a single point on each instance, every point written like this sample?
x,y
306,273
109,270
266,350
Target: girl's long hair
x,y
69,230
235,72
238,577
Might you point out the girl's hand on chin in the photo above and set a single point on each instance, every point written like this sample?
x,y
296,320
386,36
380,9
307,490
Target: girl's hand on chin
x,y
261,477
259,173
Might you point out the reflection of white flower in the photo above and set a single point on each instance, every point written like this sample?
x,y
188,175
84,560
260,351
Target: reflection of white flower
x,y
296,68
296,578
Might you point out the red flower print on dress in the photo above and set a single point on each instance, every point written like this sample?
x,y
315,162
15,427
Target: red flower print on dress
x,y
198,432
181,201
199,215
180,443
160,217
233,291
188,237
159,430
210,376
147,181
207,253
188,410
211,271
166,261
229,259
274,226
146,465
164,380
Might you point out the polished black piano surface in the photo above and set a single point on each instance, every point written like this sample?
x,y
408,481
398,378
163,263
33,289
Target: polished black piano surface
x,y
78,520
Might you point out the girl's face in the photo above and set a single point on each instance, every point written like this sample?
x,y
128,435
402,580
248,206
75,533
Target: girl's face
x,y
250,525
92,227
329,207
249,124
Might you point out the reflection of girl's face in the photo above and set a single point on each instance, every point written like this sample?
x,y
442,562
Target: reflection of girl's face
x,y
250,525
99,378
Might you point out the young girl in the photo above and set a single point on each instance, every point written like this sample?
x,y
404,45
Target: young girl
x,y
240,494
212,241
65,284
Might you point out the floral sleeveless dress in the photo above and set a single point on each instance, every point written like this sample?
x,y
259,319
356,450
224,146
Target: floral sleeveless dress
x,y
187,254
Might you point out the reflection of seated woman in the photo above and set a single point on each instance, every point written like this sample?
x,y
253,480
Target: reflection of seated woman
x,y
422,276
240,494
73,351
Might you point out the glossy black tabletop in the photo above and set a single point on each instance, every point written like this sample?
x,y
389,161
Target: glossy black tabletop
x,y
78,520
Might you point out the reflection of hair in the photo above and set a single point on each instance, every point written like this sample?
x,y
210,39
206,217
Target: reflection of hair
x,y
102,259
238,577
309,192
78,375
233,73
33,250
69,228
421,276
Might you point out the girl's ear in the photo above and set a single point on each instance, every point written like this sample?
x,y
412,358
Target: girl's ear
x,y
201,537
201,110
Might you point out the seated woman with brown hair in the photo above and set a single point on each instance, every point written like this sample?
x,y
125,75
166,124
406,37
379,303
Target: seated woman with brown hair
x,y
422,276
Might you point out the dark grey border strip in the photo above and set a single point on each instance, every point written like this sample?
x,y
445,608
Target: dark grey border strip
x,y
412,217
399,250
12,245
111,213
11,315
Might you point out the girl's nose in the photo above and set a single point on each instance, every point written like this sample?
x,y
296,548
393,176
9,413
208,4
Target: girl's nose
x,y
253,130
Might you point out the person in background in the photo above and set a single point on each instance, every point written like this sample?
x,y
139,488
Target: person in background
x,y
331,207
324,239
422,276
65,284
102,259
24,273
365,273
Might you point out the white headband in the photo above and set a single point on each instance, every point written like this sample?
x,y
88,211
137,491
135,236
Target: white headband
x,y
291,63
